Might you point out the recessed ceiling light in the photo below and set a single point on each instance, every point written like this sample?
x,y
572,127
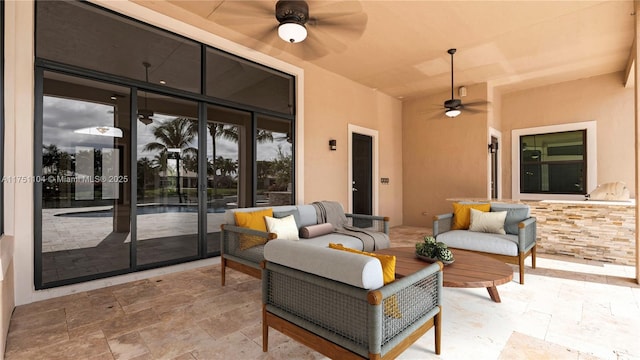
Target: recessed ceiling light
x,y
113,97
163,82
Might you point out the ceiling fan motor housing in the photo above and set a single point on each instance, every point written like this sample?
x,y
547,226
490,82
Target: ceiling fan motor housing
x,y
453,104
292,11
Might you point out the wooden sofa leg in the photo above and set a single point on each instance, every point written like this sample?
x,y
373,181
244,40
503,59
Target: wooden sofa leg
x,y
265,330
437,320
533,257
521,265
223,265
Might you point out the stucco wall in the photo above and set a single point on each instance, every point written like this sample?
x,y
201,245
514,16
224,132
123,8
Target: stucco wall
x,y
332,103
601,98
442,157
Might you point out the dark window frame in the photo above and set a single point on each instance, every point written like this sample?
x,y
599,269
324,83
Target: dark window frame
x,y
2,152
42,65
526,166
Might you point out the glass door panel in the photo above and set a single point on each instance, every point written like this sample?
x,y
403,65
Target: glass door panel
x,y
83,179
228,168
274,163
167,181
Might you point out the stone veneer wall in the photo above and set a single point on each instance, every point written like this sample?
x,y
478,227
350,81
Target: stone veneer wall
x,y
594,231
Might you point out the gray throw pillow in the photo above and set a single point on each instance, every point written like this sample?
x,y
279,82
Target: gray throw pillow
x,y
282,214
515,214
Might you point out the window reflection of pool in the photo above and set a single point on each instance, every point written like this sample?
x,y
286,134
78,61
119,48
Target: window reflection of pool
x,y
142,210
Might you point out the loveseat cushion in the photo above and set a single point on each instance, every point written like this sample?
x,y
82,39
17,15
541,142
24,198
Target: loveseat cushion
x,y
515,214
324,241
477,241
354,269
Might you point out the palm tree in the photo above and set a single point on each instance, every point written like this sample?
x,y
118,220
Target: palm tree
x,y
177,134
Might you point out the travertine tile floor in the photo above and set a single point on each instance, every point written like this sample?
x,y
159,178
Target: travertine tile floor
x,y
567,309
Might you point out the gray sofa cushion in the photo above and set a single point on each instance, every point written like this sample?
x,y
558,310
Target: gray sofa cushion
x,y
336,238
279,214
491,243
515,214
354,269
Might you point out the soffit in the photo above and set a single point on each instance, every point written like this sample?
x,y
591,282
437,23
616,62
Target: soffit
x,y
511,45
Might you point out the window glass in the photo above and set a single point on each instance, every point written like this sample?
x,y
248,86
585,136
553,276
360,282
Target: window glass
x,y
232,78
553,163
167,168
84,178
79,34
228,167
274,162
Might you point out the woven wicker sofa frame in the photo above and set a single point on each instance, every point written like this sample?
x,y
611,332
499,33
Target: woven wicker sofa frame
x,y
248,261
342,321
526,241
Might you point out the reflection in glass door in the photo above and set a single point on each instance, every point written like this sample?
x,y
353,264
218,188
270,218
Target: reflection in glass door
x,y
83,180
274,163
227,168
167,181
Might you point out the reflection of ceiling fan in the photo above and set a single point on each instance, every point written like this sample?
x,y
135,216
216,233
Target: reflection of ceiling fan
x,y
453,107
145,115
320,31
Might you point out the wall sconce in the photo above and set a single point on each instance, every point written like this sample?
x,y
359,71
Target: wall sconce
x,y
493,148
332,145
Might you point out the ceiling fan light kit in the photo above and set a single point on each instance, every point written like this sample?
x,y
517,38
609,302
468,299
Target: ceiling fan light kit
x,y
292,16
452,112
292,32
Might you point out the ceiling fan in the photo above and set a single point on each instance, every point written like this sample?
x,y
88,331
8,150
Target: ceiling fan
x,y
453,107
307,29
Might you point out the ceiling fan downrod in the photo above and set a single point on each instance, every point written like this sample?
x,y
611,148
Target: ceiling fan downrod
x,y
451,52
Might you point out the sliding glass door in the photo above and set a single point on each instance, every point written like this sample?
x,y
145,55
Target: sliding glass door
x,y
84,178
167,181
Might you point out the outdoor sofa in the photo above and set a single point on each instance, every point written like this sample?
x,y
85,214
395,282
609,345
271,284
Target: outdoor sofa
x,y
336,302
351,230
513,245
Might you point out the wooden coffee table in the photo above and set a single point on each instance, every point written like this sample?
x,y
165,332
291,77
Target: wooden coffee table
x,y
469,270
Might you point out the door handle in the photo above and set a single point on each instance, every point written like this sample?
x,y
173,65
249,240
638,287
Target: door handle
x,y
354,189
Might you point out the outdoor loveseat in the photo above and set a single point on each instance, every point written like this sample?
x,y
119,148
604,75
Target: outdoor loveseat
x,y
336,303
314,228
513,244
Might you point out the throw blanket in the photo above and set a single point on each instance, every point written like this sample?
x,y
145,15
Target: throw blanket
x,y
333,213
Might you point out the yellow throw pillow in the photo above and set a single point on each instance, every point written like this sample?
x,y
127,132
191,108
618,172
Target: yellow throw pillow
x,y
388,262
461,214
255,221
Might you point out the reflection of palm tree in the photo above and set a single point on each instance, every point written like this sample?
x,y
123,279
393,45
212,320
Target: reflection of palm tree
x,y
174,134
232,133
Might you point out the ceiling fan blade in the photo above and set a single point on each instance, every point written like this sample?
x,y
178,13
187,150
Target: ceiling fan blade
x,y
477,103
250,10
350,27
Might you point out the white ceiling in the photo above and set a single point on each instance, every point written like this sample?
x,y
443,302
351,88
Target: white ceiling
x,y
402,51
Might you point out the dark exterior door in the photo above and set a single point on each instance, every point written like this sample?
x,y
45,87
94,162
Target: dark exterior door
x,y
362,170
494,167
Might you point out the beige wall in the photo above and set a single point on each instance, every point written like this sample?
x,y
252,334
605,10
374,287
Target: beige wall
x,y
601,98
442,157
332,103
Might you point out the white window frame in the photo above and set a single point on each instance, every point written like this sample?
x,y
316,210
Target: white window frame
x,y
592,163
